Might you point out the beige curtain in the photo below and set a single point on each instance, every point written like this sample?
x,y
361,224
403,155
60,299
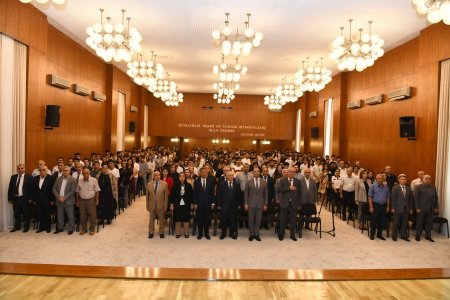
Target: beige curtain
x,y
443,143
13,77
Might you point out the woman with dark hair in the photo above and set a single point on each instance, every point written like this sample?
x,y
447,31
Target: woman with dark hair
x,y
278,172
361,192
169,180
123,184
180,203
132,182
108,194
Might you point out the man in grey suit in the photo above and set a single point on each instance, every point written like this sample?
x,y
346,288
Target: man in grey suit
x,y
309,194
401,200
255,203
157,198
426,203
290,199
64,192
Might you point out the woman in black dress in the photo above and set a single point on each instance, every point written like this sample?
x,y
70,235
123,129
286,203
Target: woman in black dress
x,y
180,204
123,185
108,193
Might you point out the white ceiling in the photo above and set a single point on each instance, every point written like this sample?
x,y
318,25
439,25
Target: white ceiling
x,y
180,32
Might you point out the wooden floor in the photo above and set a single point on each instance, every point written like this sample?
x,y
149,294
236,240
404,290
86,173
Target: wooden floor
x,y
49,287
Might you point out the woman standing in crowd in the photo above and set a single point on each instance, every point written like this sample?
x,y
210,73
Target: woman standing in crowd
x,y
123,185
132,182
361,192
180,204
108,194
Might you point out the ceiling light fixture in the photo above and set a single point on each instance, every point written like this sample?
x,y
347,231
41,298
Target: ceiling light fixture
x,y
146,72
237,44
229,73
312,78
224,91
114,42
358,51
436,10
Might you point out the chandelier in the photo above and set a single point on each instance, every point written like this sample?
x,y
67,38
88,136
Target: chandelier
x,y
436,10
274,102
44,1
114,42
357,51
237,44
288,92
167,91
224,91
146,72
228,73
312,78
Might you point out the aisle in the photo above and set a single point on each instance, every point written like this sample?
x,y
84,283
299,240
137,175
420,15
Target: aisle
x,y
125,243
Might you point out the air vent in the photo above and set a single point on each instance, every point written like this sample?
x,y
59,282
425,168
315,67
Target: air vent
x,y
354,104
58,82
313,114
98,96
81,90
400,94
374,100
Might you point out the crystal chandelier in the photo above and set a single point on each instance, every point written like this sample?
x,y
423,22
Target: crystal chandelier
x,y
237,44
114,42
274,102
229,73
357,51
224,91
312,78
146,72
436,10
288,92
44,1
167,91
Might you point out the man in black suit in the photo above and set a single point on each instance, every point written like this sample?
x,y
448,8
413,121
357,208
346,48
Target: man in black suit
x,y
43,197
204,189
270,193
19,195
426,204
401,203
228,198
290,199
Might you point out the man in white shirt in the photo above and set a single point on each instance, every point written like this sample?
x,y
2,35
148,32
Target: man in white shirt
x,y
56,167
113,170
348,192
87,200
418,180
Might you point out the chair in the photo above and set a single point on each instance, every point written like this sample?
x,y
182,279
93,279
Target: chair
x,y
441,221
100,219
365,218
353,213
308,214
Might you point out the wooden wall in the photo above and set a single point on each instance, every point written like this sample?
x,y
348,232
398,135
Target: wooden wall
x,y
371,134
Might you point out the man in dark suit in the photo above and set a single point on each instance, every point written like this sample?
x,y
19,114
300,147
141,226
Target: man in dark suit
x,y
309,194
43,197
19,195
270,194
401,203
290,199
64,191
228,198
204,189
255,203
426,203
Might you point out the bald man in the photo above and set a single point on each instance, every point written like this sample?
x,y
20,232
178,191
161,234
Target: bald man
x,y
426,204
40,164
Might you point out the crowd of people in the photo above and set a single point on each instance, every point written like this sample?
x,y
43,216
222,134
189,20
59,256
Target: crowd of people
x,y
239,187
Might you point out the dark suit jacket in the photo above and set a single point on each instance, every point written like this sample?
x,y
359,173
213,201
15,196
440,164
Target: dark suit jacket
x,y
26,187
228,199
425,197
287,194
175,196
204,197
308,195
43,195
398,201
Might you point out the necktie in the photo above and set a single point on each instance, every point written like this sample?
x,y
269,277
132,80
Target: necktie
x,y
230,185
290,182
17,185
203,184
404,191
156,186
257,183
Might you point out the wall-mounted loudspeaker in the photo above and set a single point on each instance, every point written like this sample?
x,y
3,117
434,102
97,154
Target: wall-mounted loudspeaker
x,y
132,127
52,116
407,127
315,132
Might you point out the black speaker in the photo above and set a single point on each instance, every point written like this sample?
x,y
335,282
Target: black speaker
x,y
315,132
52,115
132,127
407,127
